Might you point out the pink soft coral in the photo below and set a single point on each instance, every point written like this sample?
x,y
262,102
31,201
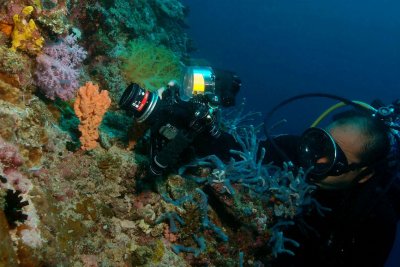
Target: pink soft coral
x,y
58,68
10,160
9,156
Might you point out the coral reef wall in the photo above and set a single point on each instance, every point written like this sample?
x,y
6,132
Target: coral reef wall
x,y
61,205
72,187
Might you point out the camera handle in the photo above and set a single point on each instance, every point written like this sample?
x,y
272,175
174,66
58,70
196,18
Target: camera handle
x,y
180,139
170,153
167,152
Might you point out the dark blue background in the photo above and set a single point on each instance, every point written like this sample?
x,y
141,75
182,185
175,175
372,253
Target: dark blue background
x,y
285,47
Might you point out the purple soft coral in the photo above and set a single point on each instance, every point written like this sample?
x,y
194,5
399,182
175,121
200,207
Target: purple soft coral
x,y
57,71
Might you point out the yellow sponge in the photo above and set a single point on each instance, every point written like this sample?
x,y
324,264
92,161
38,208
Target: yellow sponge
x,y
25,34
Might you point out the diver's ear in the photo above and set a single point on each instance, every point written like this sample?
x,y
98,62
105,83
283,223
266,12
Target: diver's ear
x,y
365,174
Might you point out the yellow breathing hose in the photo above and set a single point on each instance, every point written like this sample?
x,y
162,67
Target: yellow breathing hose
x,y
338,105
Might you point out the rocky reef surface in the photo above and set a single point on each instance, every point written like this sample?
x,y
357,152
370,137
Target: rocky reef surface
x,y
63,203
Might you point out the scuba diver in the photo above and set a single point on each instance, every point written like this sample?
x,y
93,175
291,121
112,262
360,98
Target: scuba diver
x,y
179,115
354,162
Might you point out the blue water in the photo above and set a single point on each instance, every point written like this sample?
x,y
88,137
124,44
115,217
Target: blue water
x,y
281,48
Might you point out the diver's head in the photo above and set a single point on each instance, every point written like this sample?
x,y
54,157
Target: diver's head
x,y
346,152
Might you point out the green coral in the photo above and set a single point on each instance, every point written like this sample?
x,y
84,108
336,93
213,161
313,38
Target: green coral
x,y
149,65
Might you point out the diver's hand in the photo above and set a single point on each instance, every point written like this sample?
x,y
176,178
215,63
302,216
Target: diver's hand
x,y
172,83
172,86
160,92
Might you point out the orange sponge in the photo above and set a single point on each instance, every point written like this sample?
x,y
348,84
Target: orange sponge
x,y
90,106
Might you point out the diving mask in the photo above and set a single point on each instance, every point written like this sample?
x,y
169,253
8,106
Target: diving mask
x,y
319,153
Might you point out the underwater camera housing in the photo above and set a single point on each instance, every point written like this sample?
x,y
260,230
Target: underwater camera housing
x,y
195,102
176,115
